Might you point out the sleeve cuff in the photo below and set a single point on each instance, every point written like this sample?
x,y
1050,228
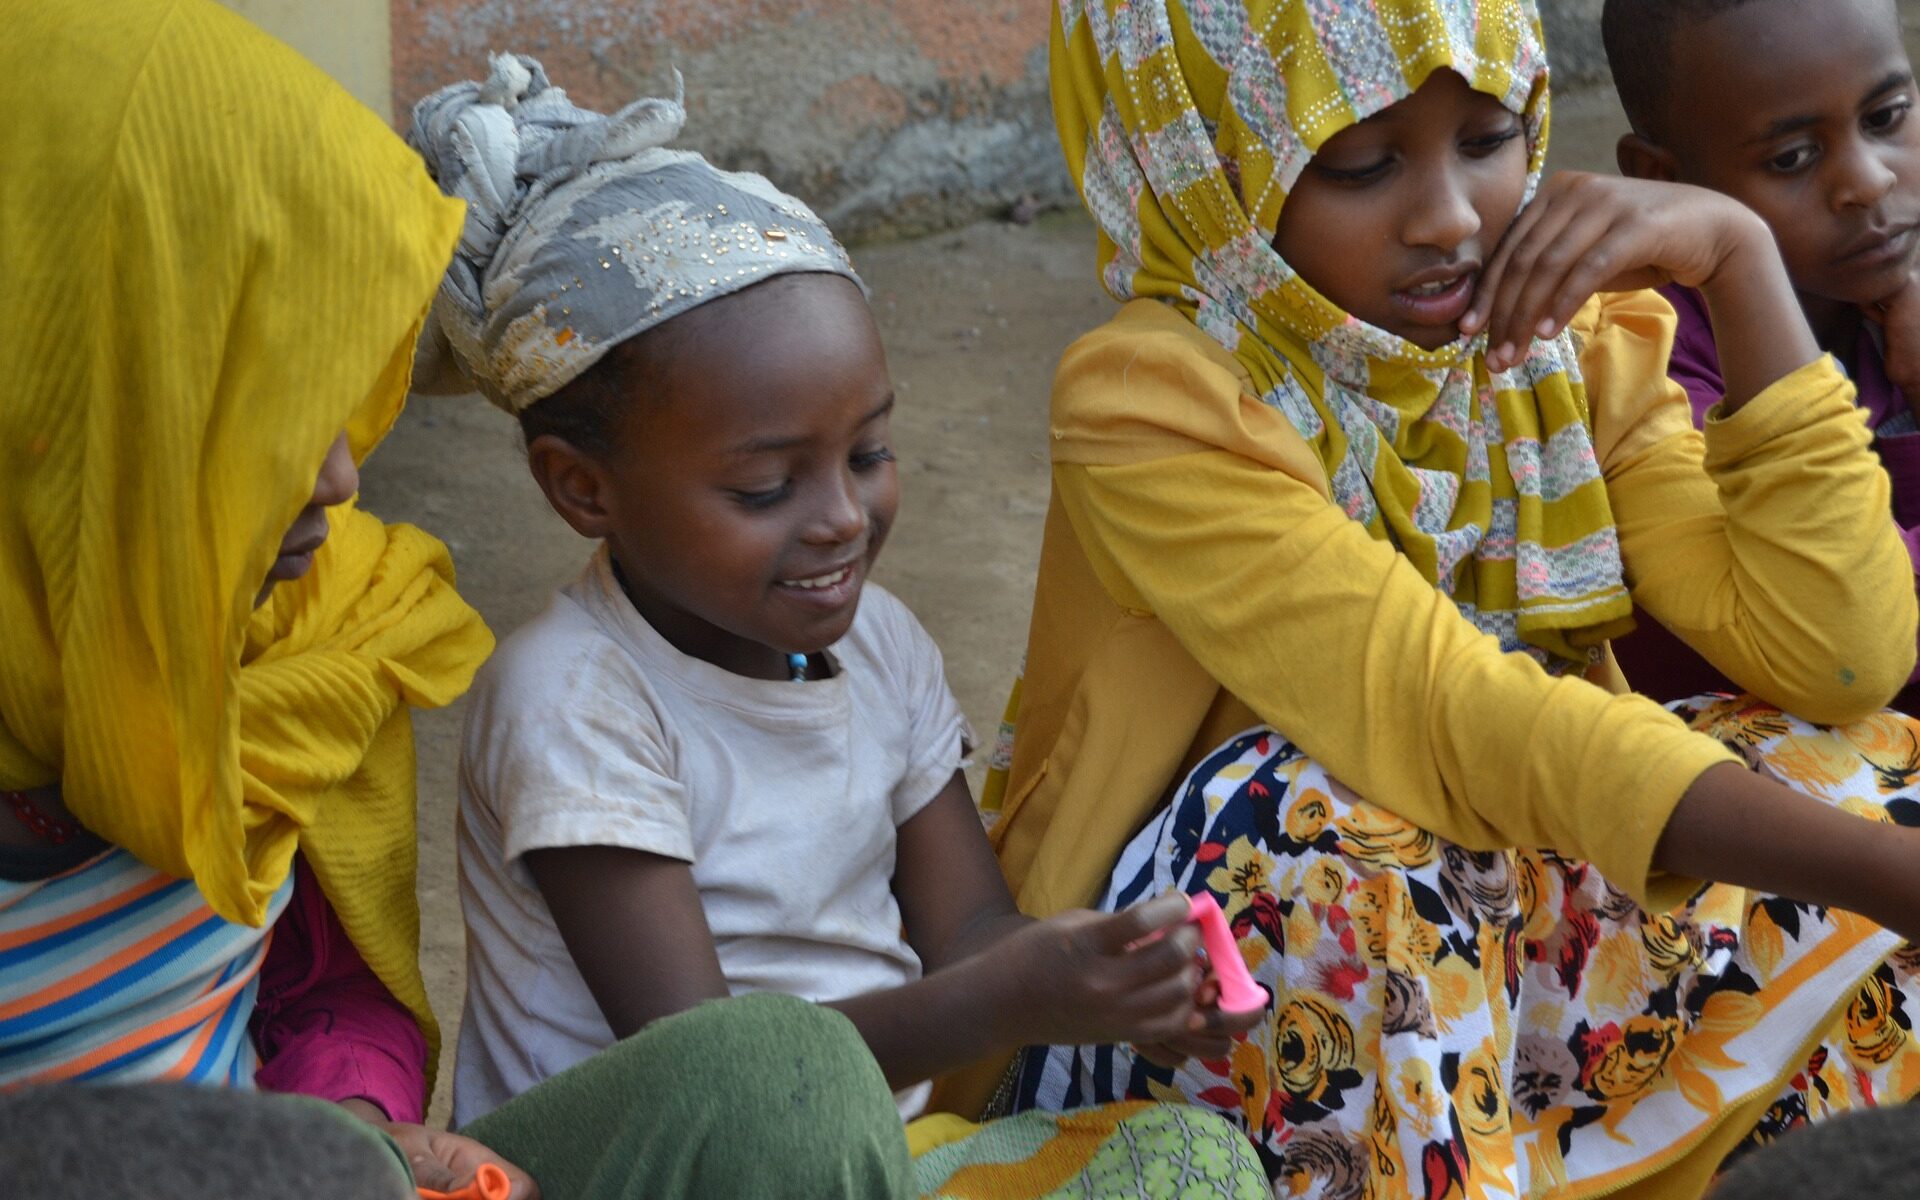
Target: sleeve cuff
x,y
340,1071
563,828
1667,780
924,780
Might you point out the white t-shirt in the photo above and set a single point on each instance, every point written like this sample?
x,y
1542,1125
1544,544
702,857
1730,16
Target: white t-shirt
x,y
588,728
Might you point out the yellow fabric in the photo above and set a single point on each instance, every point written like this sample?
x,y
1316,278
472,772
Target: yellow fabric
x,y
936,1130
1195,573
1185,145
215,260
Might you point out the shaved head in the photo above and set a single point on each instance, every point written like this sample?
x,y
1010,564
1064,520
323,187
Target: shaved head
x,y
1639,39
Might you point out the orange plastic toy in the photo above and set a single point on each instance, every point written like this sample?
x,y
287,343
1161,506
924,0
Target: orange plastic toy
x,y
489,1183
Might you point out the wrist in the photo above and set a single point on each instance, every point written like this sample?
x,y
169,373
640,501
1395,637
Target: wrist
x,y
998,977
1747,254
366,1110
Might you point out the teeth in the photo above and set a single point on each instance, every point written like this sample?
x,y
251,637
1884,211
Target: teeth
x,y
818,581
1433,289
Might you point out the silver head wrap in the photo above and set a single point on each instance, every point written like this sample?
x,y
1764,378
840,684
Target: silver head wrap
x,y
583,230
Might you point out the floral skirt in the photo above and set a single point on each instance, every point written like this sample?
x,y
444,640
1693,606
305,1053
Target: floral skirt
x,y
1457,1024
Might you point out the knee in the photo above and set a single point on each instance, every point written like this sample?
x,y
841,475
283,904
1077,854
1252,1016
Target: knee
x,y
821,1106
758,1027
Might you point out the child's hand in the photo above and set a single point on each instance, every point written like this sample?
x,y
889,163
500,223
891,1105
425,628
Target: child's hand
x,y
1210,1043
1589,233
1084,977
1899,319
442,1161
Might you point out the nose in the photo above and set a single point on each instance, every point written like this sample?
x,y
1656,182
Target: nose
x,y
840,517
339,479
1860,178
1443,215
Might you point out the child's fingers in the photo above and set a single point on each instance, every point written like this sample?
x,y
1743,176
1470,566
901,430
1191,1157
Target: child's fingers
x,y
1160,1054
1171,957
1557,261
1160,1010
1534,264
1114,934
1219,1022
1494,271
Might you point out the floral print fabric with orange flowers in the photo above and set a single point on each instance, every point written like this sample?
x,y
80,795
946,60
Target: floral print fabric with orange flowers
x,y
1450,1023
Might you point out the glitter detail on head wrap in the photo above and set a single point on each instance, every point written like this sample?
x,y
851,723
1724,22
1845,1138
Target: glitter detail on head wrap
x,y
584,230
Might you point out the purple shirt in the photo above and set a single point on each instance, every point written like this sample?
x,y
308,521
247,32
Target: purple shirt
x,y
1656,662
324,1024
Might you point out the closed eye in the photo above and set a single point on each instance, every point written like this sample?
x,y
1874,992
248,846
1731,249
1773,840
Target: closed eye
x,y
1483,146
1355,175
763,499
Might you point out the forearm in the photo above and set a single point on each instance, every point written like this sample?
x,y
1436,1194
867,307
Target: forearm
x,y
1338,642
1757,322
982,933
1741,828
1780,563
935,1024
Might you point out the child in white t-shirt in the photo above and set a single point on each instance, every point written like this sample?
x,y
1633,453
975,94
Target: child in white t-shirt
x,y
708,768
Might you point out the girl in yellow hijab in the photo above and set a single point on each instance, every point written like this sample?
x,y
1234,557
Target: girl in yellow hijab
x,y
1348,500
216,266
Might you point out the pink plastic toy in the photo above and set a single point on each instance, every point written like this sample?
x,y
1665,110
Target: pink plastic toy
x,y
1238,992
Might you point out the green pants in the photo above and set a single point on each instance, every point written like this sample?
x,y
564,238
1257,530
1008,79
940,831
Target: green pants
x,y
759,1096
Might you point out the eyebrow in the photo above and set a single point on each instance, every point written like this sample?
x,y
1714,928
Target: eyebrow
x,y
772,445
1899,77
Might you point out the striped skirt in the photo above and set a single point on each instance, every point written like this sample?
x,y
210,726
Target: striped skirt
x,y
1458,1024
113,972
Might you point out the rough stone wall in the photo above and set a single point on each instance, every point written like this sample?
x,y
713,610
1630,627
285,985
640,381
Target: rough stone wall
x,y
1573,42
891,118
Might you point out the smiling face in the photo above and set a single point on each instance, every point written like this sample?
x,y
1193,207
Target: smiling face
x,y
1802,110
1394,217
751,481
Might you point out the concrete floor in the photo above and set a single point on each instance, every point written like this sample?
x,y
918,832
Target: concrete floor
x,y
974,321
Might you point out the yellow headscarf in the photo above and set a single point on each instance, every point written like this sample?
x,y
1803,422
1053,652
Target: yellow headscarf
x,y
1185,124
213,260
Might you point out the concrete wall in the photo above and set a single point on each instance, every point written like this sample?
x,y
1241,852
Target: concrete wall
x,y
890,116
348,39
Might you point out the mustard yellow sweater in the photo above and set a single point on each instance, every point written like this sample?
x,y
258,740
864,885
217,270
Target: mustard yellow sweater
x,y
1196,580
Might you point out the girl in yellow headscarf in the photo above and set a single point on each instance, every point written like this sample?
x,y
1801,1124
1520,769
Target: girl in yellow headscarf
x,y
1348,499
215,266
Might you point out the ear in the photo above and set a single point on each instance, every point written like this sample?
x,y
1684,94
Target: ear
x,y
575,484
1642,159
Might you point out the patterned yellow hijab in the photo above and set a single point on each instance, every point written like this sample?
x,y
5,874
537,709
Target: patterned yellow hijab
x,y
1185,124
214,261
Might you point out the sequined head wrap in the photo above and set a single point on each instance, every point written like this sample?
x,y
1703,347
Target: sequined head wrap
x,y
1186,123
584,230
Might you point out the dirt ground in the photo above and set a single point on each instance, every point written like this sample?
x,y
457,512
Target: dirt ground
x,y
974,322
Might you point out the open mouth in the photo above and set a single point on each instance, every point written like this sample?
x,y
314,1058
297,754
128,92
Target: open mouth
x,y
821,582
1438,298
